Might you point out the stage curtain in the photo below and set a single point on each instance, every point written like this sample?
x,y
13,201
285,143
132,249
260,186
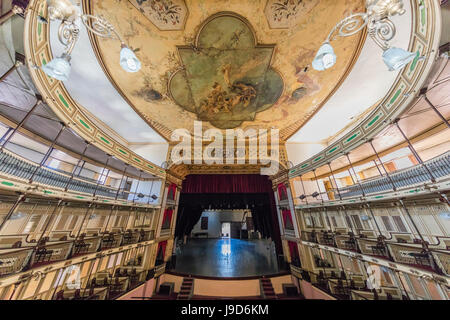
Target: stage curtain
x,y
226,183
254,192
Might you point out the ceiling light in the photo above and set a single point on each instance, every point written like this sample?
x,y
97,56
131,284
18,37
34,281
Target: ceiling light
x,y
380,28
128,60
325,57
67,13
58,68
396,58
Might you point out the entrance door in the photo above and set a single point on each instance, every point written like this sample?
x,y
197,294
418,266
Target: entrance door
x,y
226,230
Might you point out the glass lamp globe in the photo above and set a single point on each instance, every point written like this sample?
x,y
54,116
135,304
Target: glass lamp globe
x,y
396,58
325,58
128,60
58,68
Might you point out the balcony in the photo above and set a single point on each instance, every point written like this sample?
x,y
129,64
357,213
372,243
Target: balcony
x,y
416,175
15,166
15,259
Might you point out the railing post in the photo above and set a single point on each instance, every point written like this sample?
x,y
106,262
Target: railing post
x,y
413,151
78,163
20,199
424,94
8,15
354,172
304,192
60,201
340,197
382,165
317,183
101,174
20,124
115,198
47,154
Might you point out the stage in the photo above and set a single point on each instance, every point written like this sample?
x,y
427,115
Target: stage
x,y
227,258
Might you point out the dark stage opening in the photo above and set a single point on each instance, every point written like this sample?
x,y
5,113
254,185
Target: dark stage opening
x,y
227,226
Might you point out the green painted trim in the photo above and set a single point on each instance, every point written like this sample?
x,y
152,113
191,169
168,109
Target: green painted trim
x,y
352,137
79,197
396,95
414,63
63,101
137,160
84,124
305,165
317,159
103,139
121,151
9,184
332,150
373,121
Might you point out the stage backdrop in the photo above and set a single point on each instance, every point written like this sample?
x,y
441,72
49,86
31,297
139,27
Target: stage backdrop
x,y
254,192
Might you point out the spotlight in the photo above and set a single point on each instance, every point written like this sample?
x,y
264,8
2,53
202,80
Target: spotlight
x,y
302,197
315,194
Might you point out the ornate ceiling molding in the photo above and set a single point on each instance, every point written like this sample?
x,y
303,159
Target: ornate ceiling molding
x,y
160,128
38,53
425,36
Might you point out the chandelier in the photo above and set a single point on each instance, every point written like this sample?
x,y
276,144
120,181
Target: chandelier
x,y
380,29
68,32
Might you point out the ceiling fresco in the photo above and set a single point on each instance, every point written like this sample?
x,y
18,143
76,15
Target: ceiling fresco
x,y
236,63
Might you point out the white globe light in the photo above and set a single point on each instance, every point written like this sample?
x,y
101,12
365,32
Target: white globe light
x,y
58,68
128,60
325,58
396,58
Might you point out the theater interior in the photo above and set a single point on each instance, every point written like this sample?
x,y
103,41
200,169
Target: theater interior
x,y
224,150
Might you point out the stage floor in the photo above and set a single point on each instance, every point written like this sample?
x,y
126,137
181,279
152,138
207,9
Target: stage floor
x,y
227,258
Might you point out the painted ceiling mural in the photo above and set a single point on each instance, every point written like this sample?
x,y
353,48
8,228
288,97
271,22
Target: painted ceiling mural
x,y
235,63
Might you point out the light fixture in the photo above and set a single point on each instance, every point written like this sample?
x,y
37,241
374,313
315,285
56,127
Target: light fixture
x,y
315,194
302,197
365,218
396,58
58,68
325,57
67,13
128,60
380,29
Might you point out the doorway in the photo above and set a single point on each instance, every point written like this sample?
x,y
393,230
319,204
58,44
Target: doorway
x,y
226,229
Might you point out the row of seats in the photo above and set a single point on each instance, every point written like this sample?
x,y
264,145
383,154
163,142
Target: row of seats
x,y
439,167
25,170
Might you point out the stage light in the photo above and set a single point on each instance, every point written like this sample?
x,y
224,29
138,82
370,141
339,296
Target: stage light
x,y
315,194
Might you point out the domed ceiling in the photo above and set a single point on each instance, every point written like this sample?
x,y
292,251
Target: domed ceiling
x,y
232,64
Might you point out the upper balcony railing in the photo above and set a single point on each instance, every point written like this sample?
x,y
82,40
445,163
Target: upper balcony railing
x,y
13,165
416,175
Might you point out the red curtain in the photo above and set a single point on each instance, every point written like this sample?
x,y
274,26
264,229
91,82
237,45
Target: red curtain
x,y
172,191
293,250
167,218
227,183
282,192
162,246
287,219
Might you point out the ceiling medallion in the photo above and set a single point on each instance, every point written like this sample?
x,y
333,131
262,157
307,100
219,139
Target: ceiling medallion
x,y
226,77
164,14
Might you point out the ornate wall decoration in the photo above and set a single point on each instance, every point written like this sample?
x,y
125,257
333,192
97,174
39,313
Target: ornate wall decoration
x,y
227,77
164,14
281,14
